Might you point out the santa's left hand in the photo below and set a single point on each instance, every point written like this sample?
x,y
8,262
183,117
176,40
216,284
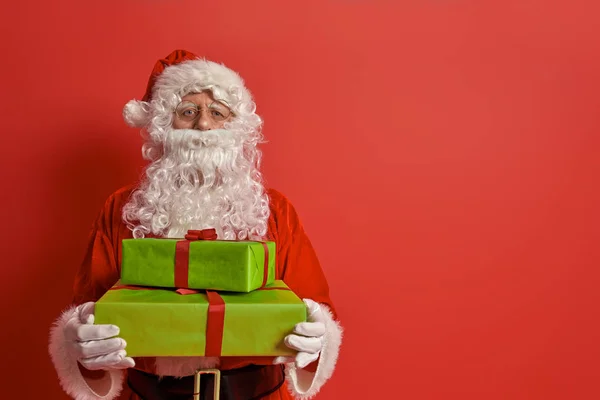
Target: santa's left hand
x,y
307,337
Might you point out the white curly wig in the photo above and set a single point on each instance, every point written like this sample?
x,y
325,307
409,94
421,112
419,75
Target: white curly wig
x,y
180,195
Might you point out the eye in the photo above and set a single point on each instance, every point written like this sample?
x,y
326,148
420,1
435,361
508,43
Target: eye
x,y
190,113
219,111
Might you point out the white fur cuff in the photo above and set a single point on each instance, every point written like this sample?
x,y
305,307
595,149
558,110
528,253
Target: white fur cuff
x,y
67,367
304,384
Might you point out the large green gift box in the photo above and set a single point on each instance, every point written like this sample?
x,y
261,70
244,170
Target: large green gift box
x,y
236,266
162,322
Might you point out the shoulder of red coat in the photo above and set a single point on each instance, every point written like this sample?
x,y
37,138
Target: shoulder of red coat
x,y
276,198
121,195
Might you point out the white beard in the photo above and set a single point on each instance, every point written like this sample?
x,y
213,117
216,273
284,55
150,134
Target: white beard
x,y
201,179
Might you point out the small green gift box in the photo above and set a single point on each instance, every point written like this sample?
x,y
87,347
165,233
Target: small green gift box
x,y
163,322
198,263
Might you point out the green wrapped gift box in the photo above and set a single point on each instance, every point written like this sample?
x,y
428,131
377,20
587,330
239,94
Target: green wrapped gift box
x,y
210,264
162,322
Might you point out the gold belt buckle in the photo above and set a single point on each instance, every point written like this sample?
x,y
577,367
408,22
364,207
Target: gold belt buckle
x,y
217,384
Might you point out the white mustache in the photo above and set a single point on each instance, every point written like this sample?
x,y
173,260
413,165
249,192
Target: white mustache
x,y
193,139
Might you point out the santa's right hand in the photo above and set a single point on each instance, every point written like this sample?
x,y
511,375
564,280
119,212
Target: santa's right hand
x,y
96,347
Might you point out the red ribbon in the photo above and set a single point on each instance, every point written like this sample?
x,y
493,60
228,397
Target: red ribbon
x,y
215,322
182,256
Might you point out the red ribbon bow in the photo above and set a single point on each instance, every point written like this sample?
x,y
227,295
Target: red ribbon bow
x,y
204,234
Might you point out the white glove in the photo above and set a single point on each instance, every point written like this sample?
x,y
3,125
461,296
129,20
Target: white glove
x,y
307,337
96,347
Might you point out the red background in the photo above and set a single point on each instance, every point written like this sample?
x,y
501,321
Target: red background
x,y
443,155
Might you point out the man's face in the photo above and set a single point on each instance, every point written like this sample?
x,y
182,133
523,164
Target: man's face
x,y
201,111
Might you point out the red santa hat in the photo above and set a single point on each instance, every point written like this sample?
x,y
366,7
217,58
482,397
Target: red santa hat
x,y
183,72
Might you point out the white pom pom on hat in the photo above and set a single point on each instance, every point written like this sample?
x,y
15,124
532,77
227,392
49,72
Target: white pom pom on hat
x,y
136,114
185,69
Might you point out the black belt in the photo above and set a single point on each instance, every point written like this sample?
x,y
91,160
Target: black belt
x,y
248,383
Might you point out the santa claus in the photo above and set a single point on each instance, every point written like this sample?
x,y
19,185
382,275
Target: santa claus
x,y
201,135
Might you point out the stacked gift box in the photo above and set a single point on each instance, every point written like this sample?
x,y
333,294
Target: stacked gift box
x,y
199,296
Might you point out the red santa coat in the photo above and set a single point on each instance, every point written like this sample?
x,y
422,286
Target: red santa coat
x,y
297,265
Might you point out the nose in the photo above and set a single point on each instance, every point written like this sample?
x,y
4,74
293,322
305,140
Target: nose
x,y
203,123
